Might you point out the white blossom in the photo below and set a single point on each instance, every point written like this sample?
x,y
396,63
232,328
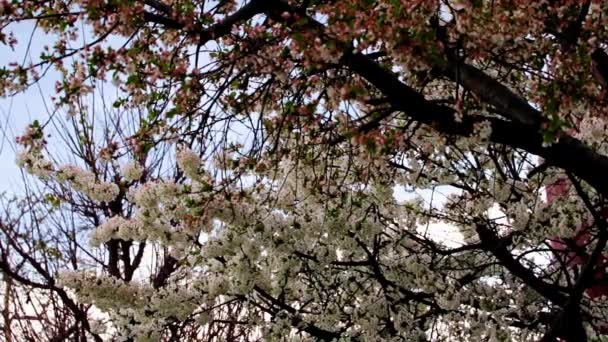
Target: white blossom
x,y
85,182
189,162
35,164
132,171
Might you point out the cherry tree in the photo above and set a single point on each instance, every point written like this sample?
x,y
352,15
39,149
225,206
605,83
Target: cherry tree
x,y
240,184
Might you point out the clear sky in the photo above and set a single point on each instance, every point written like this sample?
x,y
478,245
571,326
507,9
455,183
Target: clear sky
x,y
18,111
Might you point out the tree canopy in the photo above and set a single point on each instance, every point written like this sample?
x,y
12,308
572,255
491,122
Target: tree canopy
x,y
365,170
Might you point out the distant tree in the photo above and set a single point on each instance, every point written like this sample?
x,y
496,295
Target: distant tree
x,y
239,183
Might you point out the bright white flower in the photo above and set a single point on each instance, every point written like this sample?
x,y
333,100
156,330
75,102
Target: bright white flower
x,y
103,192
74,174
34,163
105,232
189,162
132,171
117,227
85,182
97,326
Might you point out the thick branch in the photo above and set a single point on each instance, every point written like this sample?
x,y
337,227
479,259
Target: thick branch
x,y
568,153
506,102
570,314
215,31
498,248
168,267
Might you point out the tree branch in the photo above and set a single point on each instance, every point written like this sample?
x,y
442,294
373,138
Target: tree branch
x,y
497,247
508,103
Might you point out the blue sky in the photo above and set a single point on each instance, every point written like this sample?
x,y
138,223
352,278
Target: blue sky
x,y
18,111
35,103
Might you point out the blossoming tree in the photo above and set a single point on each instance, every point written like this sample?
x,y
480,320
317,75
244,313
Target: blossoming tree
x,y
240,184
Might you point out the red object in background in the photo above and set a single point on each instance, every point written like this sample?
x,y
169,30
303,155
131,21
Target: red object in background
x,y
599,290
574,248
556,189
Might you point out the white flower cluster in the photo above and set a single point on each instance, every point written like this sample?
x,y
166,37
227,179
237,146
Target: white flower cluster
x,y
129,302
85,182
98,326
104,291
117,228
34,163
31,157
165,212
132,171
189,162
294,238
